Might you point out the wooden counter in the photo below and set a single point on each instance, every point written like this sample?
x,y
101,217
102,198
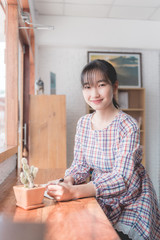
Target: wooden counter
x,y
72,220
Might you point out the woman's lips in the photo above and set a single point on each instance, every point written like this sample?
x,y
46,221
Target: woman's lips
x,y
96,101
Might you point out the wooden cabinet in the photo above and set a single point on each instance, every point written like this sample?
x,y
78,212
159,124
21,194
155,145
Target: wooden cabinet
x,y
132,102
47,131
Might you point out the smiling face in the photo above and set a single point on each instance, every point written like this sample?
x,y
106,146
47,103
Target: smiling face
x,y
98,93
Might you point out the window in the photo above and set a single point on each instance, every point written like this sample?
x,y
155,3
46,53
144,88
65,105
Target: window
x,y
2,76
8,77
12,67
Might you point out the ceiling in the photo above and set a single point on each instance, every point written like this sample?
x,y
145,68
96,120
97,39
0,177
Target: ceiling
x,y
148,10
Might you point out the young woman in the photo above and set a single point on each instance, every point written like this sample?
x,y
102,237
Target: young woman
x,y
108,142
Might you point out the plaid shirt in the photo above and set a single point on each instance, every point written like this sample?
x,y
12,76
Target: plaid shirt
x,y
123,188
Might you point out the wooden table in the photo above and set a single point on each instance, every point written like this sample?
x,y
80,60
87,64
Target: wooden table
x,y
72,220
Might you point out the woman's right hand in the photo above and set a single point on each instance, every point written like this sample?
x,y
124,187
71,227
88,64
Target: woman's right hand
x,y
68,180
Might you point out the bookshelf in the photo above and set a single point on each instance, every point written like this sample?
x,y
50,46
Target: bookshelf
x,y
132,102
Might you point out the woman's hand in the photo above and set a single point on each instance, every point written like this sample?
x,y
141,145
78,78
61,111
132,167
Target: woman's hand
x,y
68,180
61,191
67,191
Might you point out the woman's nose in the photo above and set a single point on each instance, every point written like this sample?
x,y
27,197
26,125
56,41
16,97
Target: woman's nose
x,y
94,92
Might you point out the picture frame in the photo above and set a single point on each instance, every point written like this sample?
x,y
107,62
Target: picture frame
x,y
127,65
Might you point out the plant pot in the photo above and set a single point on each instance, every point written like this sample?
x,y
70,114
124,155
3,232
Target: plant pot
x,y
29,198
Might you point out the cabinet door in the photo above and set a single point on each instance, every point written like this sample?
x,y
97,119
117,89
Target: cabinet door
x,y
47,131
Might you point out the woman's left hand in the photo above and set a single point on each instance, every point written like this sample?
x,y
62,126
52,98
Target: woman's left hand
x,y
61,191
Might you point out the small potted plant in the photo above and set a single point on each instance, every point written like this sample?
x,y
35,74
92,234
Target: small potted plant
x,y
28,195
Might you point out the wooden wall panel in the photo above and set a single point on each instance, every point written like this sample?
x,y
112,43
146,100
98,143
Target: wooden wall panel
x,y
21,79
47,131
32,67
26,86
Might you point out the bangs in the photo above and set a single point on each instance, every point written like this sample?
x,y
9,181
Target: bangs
x,y
88,77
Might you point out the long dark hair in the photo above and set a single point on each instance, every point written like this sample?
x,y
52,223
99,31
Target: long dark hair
x,y
106,69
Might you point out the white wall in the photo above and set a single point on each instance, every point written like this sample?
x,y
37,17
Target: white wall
x,y
64,52
99,32
66,63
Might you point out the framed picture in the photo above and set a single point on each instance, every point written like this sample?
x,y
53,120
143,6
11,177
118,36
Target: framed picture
x,y
127,65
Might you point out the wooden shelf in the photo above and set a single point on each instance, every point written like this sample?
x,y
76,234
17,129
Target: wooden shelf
x,y
134,99
132,109
142,131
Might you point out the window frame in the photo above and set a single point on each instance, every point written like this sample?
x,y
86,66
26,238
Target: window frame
x,y
3,9
13,35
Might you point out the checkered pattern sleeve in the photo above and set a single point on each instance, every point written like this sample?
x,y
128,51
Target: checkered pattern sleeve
x,y
79,169
117,182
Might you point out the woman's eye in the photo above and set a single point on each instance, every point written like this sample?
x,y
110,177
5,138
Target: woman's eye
x,y
102,85
86,87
